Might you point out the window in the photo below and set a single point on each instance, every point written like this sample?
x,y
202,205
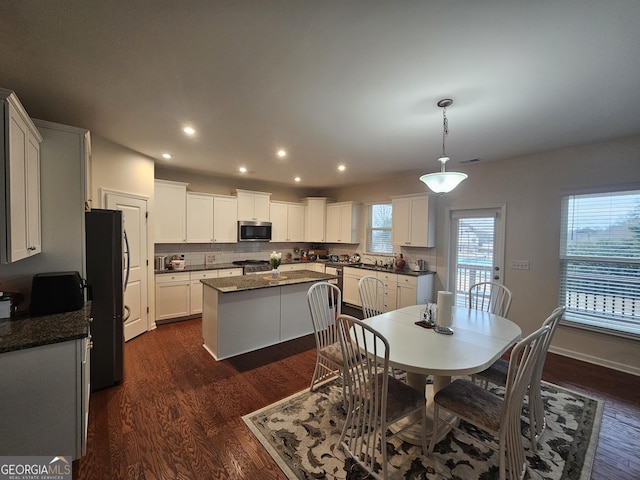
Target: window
x,y
600,261
379,228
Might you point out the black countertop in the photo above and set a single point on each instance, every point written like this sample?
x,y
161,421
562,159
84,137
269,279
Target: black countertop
x,y
252,282
28,332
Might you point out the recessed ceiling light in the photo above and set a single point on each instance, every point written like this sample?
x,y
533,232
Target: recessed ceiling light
x,y
243,169
297,179
342,168
281,153
166,156
189,130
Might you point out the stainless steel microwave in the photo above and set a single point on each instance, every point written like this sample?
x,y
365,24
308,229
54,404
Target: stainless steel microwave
x,y
254,231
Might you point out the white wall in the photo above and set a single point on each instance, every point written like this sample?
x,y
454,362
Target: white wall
x,y
532,187
115,167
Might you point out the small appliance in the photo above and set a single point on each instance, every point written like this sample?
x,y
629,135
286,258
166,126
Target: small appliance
x,y
254,231
56,292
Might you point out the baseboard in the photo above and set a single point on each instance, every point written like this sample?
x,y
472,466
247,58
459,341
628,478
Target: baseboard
x,y
596,360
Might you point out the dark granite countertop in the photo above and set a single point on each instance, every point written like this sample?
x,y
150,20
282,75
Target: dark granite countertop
x,y
27,332
195,268
252,282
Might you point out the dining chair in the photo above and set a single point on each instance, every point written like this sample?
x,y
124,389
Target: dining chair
x,y
325,304
372,295
376,399
490,297
498,416
497,374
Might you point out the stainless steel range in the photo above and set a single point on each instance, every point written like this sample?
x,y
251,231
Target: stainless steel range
x,y
251,267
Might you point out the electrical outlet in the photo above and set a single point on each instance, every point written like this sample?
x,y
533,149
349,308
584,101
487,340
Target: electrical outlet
x,y
209,259
520,264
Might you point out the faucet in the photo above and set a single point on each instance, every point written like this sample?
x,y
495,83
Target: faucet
x,y
374,261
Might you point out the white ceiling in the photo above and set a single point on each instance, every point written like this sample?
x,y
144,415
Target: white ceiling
x,y
353,82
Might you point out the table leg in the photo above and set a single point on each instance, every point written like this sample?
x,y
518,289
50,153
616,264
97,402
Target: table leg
x,y
419,382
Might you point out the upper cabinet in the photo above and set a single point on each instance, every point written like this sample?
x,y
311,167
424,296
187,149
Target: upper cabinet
x,y
287,220
199,218
253,206
342,222
315,219
414,221
171,212
225,219
20,191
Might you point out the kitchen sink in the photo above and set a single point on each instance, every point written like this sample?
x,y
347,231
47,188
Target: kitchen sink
x,y
369,266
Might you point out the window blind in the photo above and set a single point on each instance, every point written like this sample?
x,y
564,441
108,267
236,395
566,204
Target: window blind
x,y
600,260
379,228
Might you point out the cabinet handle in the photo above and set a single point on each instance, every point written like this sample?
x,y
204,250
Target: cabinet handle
x,y
31,248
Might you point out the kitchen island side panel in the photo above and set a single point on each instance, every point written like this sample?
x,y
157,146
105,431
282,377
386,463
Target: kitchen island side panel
x,y
295,317
240,322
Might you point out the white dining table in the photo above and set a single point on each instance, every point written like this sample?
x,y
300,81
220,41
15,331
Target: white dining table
x,y
479,339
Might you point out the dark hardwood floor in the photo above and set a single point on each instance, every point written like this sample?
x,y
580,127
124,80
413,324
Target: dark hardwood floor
x,y
177,415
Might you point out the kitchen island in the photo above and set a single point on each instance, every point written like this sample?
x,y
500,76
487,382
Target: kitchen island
x,y
242,314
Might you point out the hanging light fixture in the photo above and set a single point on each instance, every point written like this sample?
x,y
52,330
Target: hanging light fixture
x,y
443,181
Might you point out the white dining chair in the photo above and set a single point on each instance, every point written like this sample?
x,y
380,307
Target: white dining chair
x,y
372,295
376,400
490,297
325,304
497,374
498,416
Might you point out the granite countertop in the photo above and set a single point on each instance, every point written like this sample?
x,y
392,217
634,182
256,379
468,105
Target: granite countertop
x,y
195,268
252,282
27,332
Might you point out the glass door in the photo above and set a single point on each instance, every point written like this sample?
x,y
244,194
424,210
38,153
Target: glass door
x,y
476,249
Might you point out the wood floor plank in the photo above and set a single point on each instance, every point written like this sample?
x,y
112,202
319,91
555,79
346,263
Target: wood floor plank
x,y
178,412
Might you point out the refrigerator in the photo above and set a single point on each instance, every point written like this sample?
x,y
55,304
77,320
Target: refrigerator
x,y
104,232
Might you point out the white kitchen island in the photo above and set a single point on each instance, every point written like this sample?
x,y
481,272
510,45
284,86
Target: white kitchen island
x,y
242,314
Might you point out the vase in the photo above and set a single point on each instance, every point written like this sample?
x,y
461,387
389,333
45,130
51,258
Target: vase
x,y
275,273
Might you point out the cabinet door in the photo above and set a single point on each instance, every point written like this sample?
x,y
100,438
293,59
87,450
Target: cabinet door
x,y
225,220
390,290
333,224
261,207
279,222
33,196
407,291
245,206
295,223
350,291
419,221
315,219
230,272
173,300
401,223
171,207
199,218
196,287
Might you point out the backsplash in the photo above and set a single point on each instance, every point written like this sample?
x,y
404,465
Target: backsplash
x,y
195,253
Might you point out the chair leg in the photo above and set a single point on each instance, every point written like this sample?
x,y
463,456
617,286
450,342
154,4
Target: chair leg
x,y
316,374
434,432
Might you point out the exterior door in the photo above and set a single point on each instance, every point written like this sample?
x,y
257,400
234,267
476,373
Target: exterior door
x,y
134,211
476,249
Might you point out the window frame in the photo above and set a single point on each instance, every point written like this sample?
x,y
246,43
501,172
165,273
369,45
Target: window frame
x,y
573,317
370,228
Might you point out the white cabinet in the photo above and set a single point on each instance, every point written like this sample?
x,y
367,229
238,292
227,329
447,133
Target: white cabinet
x,y
315,219
20,161
253,206
45,404
343,222
170,200
350,278
287,222
230,272
173,295
225,219
199,218
390,289
413,221
196,286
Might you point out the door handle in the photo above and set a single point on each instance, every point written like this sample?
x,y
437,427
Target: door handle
x,y
126,317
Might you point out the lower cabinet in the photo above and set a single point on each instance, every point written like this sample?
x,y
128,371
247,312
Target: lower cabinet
x,y
400,290
179,294
45,410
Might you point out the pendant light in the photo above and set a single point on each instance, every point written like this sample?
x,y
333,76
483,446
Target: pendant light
x,y
443,181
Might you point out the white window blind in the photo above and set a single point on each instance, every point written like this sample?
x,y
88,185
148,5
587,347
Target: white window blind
x,y
600,261
379,228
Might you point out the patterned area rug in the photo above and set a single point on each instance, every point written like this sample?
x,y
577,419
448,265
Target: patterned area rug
x,y
301,433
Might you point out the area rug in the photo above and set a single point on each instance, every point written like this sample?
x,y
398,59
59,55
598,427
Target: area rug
x,y
301,433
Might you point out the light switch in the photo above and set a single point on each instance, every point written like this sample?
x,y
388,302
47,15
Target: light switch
x,y
520,264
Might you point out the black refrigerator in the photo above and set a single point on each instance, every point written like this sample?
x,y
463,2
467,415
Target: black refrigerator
x,y
104,262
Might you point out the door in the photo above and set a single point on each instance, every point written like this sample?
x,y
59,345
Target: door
x,y
134,212
476,249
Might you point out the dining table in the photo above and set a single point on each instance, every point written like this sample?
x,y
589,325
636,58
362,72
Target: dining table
x,y
479,338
